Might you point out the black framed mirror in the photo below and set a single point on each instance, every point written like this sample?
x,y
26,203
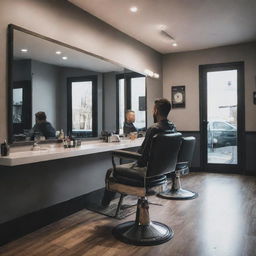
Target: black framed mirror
x,y
70,89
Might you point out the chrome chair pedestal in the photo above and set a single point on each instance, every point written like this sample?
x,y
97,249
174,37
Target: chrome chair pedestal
x,y
143,231
177,192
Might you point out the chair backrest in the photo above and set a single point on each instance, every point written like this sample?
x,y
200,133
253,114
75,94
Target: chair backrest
x,y
163,153
187,149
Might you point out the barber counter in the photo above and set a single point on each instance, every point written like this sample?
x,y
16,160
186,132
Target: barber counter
x,y
39,183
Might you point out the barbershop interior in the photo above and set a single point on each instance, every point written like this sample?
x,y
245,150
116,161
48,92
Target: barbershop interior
x,y
128,127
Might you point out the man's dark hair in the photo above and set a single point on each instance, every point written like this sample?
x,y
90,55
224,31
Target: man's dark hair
x,y
41,116
163,106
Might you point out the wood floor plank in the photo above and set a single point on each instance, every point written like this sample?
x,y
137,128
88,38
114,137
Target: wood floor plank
x,y
220,222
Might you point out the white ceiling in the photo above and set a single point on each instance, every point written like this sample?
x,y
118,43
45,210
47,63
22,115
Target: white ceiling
x,y
195,24
45,51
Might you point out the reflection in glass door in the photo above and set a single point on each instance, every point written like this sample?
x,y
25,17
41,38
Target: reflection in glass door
x,y
222,117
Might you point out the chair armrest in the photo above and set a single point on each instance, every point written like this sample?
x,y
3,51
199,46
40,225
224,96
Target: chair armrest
x,y
126,154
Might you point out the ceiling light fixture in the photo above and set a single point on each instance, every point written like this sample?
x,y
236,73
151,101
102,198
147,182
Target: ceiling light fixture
x,y
64,58
134,9
155,75
24,50
174,43
58,52
162,27
151,73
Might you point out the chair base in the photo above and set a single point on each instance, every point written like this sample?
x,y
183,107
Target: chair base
x,y
179,194
152,234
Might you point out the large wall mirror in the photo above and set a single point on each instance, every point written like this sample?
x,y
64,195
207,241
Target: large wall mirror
x,y
54,87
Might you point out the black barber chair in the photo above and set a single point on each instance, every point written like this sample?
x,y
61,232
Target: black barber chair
x,y
182,168
151,180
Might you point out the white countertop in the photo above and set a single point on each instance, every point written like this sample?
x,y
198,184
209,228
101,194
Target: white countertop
x,y
52,152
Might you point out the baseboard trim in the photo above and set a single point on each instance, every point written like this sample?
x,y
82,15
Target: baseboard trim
x,y
28,223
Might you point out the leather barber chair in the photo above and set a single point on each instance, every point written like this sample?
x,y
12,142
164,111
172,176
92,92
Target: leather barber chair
x,y
142,183
182,168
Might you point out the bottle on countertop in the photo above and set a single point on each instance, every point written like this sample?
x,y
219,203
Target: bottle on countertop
x,y
62,135
71,142
5,149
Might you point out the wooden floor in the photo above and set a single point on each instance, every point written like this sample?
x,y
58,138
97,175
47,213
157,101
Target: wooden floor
x,y
220,222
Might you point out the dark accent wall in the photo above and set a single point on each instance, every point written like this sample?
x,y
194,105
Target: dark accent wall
x,y
250,153
28,188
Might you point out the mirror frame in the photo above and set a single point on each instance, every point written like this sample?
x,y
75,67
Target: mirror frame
x,y
10,44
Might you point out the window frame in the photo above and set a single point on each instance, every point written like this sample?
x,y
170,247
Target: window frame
x,y
83,134
127,91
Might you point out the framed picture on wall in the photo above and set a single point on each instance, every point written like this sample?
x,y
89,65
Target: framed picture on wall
x,y
178,96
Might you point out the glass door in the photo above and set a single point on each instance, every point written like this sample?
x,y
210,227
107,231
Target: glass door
x,y
222,116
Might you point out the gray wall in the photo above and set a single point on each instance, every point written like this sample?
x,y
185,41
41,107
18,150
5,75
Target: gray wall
x,y
110,101
22,70
183,69
45,80
64,22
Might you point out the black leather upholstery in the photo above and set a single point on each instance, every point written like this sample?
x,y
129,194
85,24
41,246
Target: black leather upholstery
x,y
163,158
184,159
136,176
163,154
187,149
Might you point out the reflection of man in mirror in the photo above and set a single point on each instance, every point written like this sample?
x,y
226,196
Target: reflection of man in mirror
x,y
129,120
42,127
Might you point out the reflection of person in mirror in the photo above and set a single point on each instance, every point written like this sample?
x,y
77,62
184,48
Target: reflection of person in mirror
x,y
42,127
129,120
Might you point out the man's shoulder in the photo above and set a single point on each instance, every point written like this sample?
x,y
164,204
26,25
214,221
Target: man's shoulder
x,y
158,127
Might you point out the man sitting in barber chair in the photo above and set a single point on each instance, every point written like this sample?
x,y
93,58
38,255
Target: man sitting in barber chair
x,y
161,110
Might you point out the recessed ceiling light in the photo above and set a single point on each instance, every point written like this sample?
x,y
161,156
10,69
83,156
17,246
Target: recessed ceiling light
x,y
174,44
134,9
58,52
162,27
64,58
24,50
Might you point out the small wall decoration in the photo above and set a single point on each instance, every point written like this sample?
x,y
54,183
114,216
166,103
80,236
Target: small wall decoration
x,y
142,103
178,96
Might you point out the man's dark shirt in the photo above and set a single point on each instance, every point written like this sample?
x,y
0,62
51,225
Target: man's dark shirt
x,y
144,150
129,127
43,129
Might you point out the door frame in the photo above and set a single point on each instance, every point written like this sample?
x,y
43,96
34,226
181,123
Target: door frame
x,y
127,98
225,168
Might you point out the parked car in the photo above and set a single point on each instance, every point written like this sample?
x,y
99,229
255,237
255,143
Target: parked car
x,y
221,134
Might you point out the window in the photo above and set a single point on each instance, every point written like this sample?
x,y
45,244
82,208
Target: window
x,y
17,105
82,107
131,92
138,101
21,108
